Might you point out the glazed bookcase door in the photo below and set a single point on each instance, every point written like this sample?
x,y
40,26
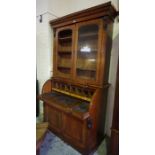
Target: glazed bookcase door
x,y
87,51
64,51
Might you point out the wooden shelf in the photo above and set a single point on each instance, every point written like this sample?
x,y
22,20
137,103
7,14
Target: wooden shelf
x,y
86,77
64,63
93,51
86,69
64,47
65,52
65,67
86,64
89,35
65,38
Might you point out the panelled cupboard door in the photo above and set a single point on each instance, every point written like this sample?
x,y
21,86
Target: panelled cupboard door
x,y
55,119
88,51
63,52
74,129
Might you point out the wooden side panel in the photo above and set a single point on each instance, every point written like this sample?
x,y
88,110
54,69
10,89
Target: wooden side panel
x,y
97,114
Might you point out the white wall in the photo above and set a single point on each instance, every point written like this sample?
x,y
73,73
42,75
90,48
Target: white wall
x,y
78,5
112,81
41,6
45,46
64,7
60,7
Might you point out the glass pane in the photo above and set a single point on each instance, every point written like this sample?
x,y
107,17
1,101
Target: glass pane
x,y
64,52
87,51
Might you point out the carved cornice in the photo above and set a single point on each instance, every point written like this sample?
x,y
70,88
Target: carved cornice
x,y
105,11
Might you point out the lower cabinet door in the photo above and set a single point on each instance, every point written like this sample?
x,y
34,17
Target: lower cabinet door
x,y
74,130
55,119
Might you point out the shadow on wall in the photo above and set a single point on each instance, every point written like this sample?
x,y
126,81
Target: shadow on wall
x,y
107,109
112,81
109,31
